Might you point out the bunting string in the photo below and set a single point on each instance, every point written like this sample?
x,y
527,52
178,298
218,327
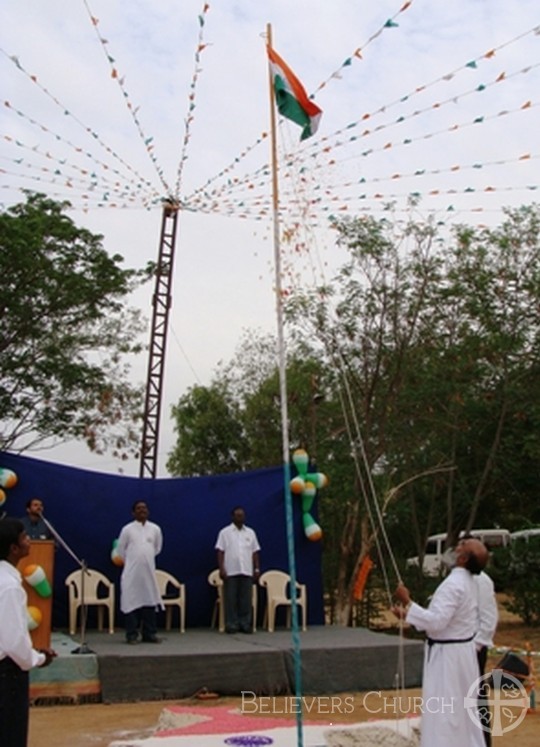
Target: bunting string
x,y
75,148
446,78
93,177
297,207
319,143
201,46
297,165
87,201
148,141
57,177
258,211
110,196
419,172
317,177
228,169
390,23
68,113
436,106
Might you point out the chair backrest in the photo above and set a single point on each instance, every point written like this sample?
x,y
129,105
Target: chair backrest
x,y
277,583
95,583
214,579
164,580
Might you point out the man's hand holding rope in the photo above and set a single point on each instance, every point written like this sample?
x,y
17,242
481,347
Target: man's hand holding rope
x,y
403,597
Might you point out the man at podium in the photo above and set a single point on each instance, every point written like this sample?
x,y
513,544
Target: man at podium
x,y
33,523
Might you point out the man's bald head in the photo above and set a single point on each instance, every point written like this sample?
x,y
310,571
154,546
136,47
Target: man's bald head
x,y
472,555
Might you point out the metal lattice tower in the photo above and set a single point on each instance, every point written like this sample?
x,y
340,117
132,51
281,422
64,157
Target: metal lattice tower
x,y
161,303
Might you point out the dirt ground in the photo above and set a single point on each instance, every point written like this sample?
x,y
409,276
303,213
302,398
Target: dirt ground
x,y
96,725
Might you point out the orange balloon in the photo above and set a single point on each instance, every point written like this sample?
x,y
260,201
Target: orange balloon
x,y
297,485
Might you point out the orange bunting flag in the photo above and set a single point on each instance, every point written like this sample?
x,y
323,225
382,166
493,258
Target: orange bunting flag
x,y
361,578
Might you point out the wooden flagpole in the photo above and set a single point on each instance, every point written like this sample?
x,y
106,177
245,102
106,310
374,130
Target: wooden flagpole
x,y
283,400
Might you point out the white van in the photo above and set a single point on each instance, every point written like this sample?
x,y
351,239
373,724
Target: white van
x,y
525,534
435,547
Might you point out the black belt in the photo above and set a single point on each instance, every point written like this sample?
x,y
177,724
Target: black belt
x,y
431,641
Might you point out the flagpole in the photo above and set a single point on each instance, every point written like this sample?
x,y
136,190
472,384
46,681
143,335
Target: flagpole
x,y
284,409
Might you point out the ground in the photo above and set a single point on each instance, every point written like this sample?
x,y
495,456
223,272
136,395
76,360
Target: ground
x,y
96,725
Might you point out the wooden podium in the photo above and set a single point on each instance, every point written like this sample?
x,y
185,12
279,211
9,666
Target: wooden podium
x,y
41,553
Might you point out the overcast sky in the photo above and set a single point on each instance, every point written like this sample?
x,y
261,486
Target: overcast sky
x,y
155,98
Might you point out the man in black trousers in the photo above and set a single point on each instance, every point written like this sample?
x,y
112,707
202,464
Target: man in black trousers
x,y
17,656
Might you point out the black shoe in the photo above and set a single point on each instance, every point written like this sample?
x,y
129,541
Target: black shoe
x,y
249,631
151,640
231,631
132,641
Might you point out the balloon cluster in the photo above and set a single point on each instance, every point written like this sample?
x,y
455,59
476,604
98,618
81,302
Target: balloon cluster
x,y
306,484
115,556
35,576
8,479
34,617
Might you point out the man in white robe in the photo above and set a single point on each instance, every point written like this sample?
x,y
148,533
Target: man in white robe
x,y
488,616
138,544
450,664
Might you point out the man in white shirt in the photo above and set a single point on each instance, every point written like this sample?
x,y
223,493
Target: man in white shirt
x,y
17,656
488,616
450,664
138,544
238,560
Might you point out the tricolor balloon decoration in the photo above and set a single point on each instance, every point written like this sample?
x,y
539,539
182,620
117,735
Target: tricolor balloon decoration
x,y
306,485
34,617
34,575
115,557
8,479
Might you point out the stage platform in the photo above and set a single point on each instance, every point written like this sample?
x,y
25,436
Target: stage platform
x,y
334,659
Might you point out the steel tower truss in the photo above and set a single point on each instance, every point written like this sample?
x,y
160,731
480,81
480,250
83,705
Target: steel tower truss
x,y
161,303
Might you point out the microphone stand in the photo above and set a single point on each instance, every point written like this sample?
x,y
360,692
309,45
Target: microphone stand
x,y
83,648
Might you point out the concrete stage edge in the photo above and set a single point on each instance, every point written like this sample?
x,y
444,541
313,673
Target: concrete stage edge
x,y
334,659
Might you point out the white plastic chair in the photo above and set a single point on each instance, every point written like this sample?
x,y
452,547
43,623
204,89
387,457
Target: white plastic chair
x,y
98,592
277,585
175,598
214,579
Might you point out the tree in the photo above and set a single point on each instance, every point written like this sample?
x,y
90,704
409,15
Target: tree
x,y
234,424
210,434
65,333
425,353
437,343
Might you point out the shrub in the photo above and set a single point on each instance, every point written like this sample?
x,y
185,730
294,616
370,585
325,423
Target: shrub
x,y
523,581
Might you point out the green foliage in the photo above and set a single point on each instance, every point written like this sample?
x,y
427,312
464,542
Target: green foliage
x,y
499,567
522,580
210,434
64,332
234,424
425,351
525,600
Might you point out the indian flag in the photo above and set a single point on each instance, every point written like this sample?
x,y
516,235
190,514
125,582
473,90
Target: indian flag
x,y
291,98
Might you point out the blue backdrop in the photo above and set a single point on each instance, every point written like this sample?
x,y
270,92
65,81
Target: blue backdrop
x,y
88,509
